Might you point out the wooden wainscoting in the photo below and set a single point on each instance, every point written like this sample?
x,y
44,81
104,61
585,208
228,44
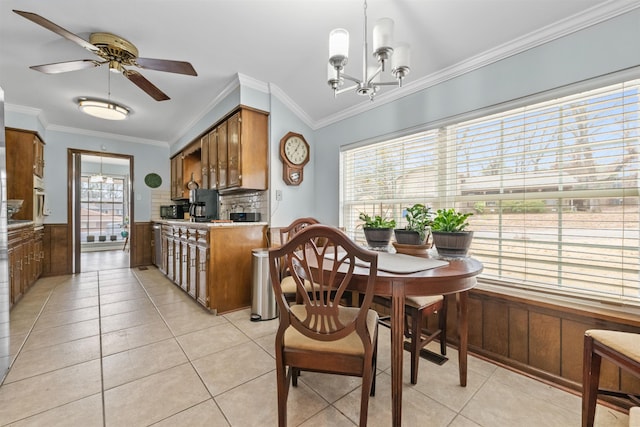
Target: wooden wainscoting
x,y
57,250
58,254
540,338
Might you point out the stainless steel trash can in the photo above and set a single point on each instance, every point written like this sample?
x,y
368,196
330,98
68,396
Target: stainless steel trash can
x,y
263,303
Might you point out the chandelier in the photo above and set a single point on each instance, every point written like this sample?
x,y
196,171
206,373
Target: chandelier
x,y
100,178
383,50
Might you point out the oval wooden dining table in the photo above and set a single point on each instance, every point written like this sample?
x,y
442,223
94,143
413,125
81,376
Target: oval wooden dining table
x,y
457,276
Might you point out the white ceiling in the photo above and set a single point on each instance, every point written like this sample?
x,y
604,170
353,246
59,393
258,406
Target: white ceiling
x,y
278,42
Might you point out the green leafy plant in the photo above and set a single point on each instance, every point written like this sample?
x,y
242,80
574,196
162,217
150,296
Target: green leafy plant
x,y
450,220
418,219
376,221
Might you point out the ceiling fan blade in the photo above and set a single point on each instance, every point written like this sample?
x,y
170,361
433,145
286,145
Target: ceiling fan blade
x,y
179,67
57,29
144,84
63,67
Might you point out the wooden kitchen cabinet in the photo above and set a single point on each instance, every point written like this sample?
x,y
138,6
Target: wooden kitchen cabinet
x,y
202,259
183,277
212,263
221,149
247,150
232,155
25,254
24,147
177,180
205,167
38,157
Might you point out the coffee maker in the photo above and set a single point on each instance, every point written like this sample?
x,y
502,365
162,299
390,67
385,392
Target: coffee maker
x,y
203,205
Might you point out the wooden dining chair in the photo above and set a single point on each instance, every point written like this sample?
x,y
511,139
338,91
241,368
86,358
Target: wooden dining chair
x,y
620,348
417,309
319,334
286,234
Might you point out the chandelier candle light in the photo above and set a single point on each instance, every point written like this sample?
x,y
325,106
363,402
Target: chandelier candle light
x,y
382,51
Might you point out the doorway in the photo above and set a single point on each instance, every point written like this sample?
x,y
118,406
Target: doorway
x,y
101,209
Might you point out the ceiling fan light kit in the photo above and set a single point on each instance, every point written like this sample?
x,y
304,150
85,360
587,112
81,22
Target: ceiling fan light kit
x,y
102,109
113,50
383,50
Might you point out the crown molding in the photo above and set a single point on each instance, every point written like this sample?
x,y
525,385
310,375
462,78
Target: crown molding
x,y
291,105
106,135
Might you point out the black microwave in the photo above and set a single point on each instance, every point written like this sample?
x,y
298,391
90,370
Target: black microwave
x,y
172,212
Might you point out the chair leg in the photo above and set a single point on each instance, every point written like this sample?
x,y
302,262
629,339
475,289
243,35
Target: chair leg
x,y
295,373
590,382
282,381
416,338
375,365
442,324
367,384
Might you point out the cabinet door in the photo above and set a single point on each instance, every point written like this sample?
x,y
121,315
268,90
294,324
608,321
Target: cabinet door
x,y
204,161
15,266
222,155
213,159
234,165
202,294
193,269
184,265
39,253
170,258
38,157
177,180
174,177
162,265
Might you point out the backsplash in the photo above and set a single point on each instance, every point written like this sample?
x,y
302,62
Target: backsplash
x,y
255,201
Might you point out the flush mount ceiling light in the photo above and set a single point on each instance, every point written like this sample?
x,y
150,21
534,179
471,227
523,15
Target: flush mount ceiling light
x,y
383,50
102,109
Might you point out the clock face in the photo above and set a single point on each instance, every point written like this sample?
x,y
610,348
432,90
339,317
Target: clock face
x,y
296,150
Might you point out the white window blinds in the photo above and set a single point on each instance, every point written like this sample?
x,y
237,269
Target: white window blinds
x,y
553,188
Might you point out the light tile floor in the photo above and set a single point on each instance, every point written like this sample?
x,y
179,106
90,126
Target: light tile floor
x,y
125,347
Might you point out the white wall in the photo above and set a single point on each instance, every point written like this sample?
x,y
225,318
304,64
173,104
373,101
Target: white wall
x,y
147,158
598,50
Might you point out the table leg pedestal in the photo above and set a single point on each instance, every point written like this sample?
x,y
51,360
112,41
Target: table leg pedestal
x,y
397,343
463,334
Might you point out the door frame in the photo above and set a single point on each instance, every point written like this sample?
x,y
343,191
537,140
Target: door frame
x,y
73,204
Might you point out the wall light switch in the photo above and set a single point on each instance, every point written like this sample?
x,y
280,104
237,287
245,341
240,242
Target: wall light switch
x,y
278,195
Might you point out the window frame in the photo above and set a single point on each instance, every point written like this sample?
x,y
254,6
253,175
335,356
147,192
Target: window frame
x,y
446,198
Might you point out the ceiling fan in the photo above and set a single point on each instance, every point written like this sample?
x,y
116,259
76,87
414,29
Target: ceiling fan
x,y
115,51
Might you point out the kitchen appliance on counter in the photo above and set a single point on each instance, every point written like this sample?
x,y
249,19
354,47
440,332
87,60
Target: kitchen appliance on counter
x,y
244,216
203,205
172,211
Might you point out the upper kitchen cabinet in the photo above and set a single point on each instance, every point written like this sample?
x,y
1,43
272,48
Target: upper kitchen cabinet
x,y
177,183
247,151
24,147
231,156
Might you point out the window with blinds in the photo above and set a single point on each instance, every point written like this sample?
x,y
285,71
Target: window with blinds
x,y
553,188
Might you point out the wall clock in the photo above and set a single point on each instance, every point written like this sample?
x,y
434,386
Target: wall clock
x,y
294,152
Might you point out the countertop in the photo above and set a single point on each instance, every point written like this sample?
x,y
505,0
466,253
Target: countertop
x,y
17,223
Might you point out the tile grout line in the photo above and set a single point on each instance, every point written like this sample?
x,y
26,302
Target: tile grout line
x,y
104,407
175,337
24,341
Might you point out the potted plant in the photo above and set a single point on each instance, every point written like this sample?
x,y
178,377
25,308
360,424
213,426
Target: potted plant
x,y
377,230
91,238
449,232
418,229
